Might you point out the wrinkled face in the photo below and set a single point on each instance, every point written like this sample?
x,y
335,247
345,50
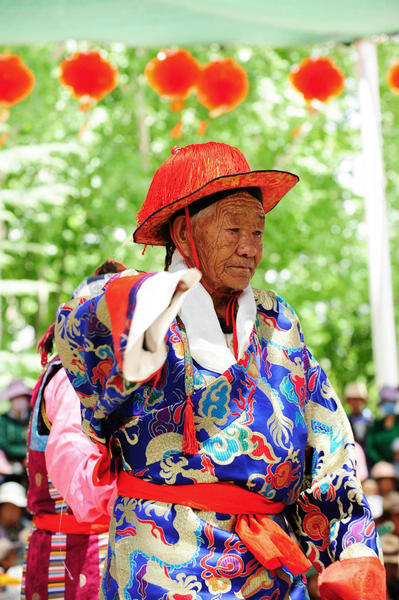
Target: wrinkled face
x,y
228,236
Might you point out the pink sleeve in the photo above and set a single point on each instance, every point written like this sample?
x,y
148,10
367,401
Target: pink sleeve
x,y
70,456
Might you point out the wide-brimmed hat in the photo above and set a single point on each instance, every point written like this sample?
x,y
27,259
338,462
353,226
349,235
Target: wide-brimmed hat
x,y
196,171
14,493
390,548
383,469
355,389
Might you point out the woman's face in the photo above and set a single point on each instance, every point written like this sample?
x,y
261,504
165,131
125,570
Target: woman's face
x,y
228,236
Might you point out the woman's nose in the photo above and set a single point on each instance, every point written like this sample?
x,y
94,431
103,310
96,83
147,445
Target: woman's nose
x,y
246,245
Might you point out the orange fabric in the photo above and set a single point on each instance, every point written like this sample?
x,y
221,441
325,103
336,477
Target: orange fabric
x,y
66,523
102,475
218,497
360,578
117,296
269,543
263,537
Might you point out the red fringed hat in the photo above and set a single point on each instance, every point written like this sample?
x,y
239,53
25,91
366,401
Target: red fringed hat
x,y
196,171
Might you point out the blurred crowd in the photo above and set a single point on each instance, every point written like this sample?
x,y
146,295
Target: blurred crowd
x,y
15,521
377,447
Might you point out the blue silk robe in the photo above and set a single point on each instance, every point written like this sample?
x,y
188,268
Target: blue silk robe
x,y
271,423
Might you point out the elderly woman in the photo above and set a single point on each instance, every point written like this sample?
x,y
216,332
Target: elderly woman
x,y
224,431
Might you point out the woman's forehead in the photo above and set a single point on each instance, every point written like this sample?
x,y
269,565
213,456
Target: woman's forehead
x,y
239,204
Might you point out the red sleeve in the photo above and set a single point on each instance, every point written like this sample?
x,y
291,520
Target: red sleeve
x,y
120,296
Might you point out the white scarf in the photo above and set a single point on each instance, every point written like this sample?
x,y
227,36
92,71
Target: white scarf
x,y
208,345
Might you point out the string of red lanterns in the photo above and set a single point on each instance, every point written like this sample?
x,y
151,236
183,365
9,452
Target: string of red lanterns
x,y
220,85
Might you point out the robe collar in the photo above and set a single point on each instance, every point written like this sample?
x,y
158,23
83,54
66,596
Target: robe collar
x,y
208,343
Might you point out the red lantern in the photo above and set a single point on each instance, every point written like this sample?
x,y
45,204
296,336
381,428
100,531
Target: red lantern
x,y
393,77
317,78
173,75
222,85
16,80
89,76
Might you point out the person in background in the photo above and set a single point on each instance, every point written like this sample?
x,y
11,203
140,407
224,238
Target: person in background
x,y
8,554
10,570
374,498
13,521
361,463
395,455
5,467
14,423
360,416
390,549
384,474
68,544
384,430
391,510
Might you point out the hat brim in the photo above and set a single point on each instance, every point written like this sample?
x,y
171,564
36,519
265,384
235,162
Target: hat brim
x,y
273,185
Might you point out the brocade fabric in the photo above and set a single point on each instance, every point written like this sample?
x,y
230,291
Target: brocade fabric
x,y
271,423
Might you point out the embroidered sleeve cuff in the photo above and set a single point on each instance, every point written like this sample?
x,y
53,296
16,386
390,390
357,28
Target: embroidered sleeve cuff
x,y
353,579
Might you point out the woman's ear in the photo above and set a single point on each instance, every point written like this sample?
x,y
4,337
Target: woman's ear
x,y
180,234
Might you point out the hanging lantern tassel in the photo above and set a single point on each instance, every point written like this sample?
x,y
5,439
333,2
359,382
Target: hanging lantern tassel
x,y
202,127
4,114
177,131
177,105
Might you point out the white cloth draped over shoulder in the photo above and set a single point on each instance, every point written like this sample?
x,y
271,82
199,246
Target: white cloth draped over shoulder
x,y
157,305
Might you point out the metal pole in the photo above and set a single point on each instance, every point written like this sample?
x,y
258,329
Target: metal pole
x,y
380,281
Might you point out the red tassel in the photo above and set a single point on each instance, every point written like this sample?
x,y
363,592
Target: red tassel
x,y
36,389
190,442
45,346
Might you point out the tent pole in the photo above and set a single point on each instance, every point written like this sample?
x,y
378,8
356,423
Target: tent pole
x,y
380,283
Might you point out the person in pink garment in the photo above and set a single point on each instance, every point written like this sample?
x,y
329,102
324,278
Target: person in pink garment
x,y
67,547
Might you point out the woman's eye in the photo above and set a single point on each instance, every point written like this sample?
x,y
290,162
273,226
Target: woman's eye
x,y
233,229
258,233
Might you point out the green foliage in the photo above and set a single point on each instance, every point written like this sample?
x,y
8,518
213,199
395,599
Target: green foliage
x,y
68,202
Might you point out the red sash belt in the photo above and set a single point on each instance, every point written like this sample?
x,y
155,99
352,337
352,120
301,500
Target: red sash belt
x,y
267,541
66,523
